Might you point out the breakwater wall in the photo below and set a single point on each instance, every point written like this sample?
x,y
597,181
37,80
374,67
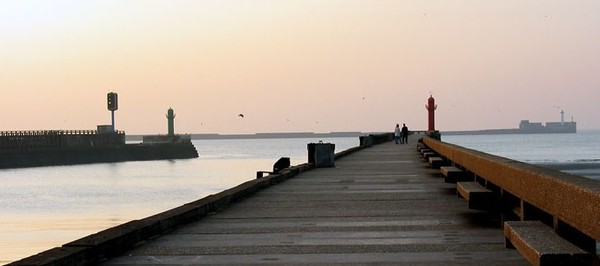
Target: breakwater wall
x,y
568,203
35,139
115,241
368,140
52,156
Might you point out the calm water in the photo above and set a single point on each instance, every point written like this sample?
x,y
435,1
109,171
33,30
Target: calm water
x,y
45,207
579,153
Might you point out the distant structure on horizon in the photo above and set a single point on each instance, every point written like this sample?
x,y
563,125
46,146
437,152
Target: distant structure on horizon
x,y
526,127
171,137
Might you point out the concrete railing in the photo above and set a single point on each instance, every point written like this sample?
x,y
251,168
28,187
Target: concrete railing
x,y
569,203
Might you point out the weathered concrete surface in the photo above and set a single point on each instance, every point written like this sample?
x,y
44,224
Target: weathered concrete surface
x,y
381,205
541,246
452,174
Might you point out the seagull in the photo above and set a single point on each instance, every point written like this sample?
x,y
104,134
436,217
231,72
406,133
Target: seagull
x,y
241,115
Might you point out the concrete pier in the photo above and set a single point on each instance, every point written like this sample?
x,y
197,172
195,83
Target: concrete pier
x,y
380,205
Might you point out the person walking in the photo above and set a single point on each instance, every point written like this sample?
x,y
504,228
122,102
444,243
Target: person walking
x,y
397,134
404,138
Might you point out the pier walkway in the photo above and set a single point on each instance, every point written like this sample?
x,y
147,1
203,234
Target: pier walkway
x,y
380,205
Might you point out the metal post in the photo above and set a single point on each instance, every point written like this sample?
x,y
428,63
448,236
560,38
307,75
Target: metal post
x,y
113,120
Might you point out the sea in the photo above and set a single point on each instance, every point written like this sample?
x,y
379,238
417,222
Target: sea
x,y
575,153
45,207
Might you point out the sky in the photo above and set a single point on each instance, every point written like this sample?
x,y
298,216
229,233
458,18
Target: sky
x,y
297,66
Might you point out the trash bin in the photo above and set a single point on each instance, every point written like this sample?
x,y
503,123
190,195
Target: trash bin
x,y
321,154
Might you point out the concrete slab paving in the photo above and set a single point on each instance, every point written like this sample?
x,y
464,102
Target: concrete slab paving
x,y
382,205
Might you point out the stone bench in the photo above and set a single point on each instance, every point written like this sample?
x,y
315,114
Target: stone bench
x,y
436,162
540,245
282,163
425,150
479,198
426,155
452,174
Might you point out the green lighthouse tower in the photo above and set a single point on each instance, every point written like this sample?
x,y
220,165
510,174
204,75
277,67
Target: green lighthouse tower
x,y
171,121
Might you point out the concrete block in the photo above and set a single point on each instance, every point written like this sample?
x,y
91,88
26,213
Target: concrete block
x,y
452,174
426,155
436,162
479,198
540,245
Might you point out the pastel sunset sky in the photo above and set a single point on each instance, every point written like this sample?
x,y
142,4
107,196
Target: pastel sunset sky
x,y
292,66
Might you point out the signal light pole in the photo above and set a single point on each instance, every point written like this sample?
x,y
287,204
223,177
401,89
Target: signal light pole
x,y
113,105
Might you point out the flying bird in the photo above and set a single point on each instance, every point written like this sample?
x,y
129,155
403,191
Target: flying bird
x,y
241,115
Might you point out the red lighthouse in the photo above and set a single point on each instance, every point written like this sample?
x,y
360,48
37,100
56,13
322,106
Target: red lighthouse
x,y
430,106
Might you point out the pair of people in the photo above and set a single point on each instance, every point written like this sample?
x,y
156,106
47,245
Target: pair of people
x,y
401,135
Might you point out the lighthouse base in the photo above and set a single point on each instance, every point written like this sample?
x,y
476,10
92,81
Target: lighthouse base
x,y
434,134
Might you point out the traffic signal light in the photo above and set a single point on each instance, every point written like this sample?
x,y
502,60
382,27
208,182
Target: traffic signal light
x,y
112,101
